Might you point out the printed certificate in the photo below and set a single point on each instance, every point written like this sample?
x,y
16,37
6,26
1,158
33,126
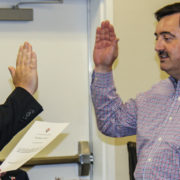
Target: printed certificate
x,y
38,137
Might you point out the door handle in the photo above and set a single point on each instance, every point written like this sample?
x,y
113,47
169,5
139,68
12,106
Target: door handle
x,y
84,159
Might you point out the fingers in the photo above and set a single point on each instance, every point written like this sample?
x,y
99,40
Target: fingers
x,y
27,53
34,60
25,74
105,32
19,56
24,54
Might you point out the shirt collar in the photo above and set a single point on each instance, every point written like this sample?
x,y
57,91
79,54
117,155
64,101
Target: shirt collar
x,y
175,82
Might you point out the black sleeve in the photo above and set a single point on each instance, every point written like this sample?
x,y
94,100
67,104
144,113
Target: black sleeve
x,y
19,110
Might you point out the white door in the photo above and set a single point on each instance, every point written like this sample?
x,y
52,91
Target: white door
x,y
63,37
103,147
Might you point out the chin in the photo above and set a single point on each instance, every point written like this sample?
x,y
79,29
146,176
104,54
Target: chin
x,y
165,68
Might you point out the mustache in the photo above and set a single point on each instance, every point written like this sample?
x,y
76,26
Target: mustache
x,y
162,53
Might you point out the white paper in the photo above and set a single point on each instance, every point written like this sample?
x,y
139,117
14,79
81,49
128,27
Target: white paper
x,y
38,137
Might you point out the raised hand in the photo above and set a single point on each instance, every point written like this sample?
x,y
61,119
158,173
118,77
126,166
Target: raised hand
x,y
25,73
106,47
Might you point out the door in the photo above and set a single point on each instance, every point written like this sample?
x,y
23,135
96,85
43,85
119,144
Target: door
x,y
58,34
63,37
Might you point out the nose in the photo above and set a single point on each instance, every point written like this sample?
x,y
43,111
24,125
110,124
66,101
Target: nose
x,y
159,45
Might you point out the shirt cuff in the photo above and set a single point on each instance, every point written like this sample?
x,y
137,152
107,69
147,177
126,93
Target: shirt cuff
x,y
102,79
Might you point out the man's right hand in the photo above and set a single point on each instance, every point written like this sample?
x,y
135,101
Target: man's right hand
x,y
106,47
25,73
2,174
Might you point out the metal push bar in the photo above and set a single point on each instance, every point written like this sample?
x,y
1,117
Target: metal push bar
x,y
84,159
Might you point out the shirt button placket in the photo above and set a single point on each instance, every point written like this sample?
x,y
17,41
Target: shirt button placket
x,y
179,98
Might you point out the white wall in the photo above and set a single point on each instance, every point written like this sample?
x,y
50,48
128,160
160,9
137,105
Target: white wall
x,y
58,34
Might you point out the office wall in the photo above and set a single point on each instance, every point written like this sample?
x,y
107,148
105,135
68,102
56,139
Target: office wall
x,y
137,67
58,34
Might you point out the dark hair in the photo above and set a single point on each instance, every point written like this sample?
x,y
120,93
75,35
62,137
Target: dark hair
x,y
167,10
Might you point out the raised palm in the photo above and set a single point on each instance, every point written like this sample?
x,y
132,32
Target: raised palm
x,y
105,49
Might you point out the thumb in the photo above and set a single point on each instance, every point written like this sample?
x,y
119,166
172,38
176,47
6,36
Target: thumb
x,y
12,71
115,42
115,47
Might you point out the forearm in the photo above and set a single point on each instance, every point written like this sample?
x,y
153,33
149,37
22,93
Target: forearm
x,y
19,109
113,117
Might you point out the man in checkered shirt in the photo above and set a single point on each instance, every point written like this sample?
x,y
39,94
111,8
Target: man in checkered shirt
x,y
154,116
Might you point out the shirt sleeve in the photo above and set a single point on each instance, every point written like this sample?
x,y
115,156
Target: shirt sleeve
x,y
114,118
19,110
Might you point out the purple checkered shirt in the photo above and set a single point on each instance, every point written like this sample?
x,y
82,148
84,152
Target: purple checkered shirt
x,y
154,116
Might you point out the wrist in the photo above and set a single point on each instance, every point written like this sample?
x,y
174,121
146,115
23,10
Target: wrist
x,y
102,69
29,90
